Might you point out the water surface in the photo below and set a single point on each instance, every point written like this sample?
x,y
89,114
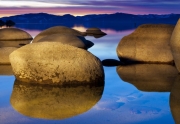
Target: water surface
x,y
128,96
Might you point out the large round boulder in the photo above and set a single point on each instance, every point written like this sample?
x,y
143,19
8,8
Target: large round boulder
x,y
149,77
55,63
12,37
56,30
77,41
175,45
4,54
54,102
149,43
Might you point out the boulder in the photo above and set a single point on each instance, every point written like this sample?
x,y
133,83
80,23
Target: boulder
x,y
55,63
4,54
77,41
96,32
17,43
56,30
149,43
54,102
149,77
12,37
175,45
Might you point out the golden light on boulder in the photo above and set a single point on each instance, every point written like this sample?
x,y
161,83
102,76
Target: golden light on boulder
x,y
56,30
4,54
17,43
149,77
73,40
149,43
54,102
55,63
175,45
12,37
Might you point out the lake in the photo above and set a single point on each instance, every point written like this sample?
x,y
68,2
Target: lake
x,y
135,94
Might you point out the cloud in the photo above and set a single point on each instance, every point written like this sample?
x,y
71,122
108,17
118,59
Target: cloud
x,y
33,4
90,3
82,7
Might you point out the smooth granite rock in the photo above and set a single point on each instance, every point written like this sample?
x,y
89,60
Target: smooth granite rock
x,y
149,77
175,45
56,30
12,37
4,54
55,63
54,102
77,41
17,43
149,43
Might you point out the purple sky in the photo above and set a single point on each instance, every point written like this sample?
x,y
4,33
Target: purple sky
x,y
83,7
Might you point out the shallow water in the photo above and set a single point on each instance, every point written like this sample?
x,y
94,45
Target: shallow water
x,y
141,98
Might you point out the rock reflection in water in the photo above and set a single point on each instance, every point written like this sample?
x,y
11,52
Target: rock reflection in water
x,y
6,70
54,102
149,77
175,100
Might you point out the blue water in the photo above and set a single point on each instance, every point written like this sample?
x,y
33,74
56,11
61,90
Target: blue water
x,y
120,103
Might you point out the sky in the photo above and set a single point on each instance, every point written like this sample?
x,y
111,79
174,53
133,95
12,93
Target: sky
x,y
84,7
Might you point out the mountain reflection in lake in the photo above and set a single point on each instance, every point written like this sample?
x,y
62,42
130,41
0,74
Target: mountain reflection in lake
x,y
120,103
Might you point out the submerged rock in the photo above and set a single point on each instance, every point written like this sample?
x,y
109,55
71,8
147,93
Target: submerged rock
x,y
55,63
4,54
54,102
56,30
149,77
149,43
175,45
12,37
96,32
77,41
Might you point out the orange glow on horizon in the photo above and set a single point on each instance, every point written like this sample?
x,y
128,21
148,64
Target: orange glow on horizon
x,y
5,15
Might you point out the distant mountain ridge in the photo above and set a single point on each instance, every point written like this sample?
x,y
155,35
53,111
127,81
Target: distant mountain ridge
x,y
116,17
118,20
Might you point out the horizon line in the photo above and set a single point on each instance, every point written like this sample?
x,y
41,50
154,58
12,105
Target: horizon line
x,y
86,14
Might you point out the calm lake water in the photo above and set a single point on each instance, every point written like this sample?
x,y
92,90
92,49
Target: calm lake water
x,y
148,94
